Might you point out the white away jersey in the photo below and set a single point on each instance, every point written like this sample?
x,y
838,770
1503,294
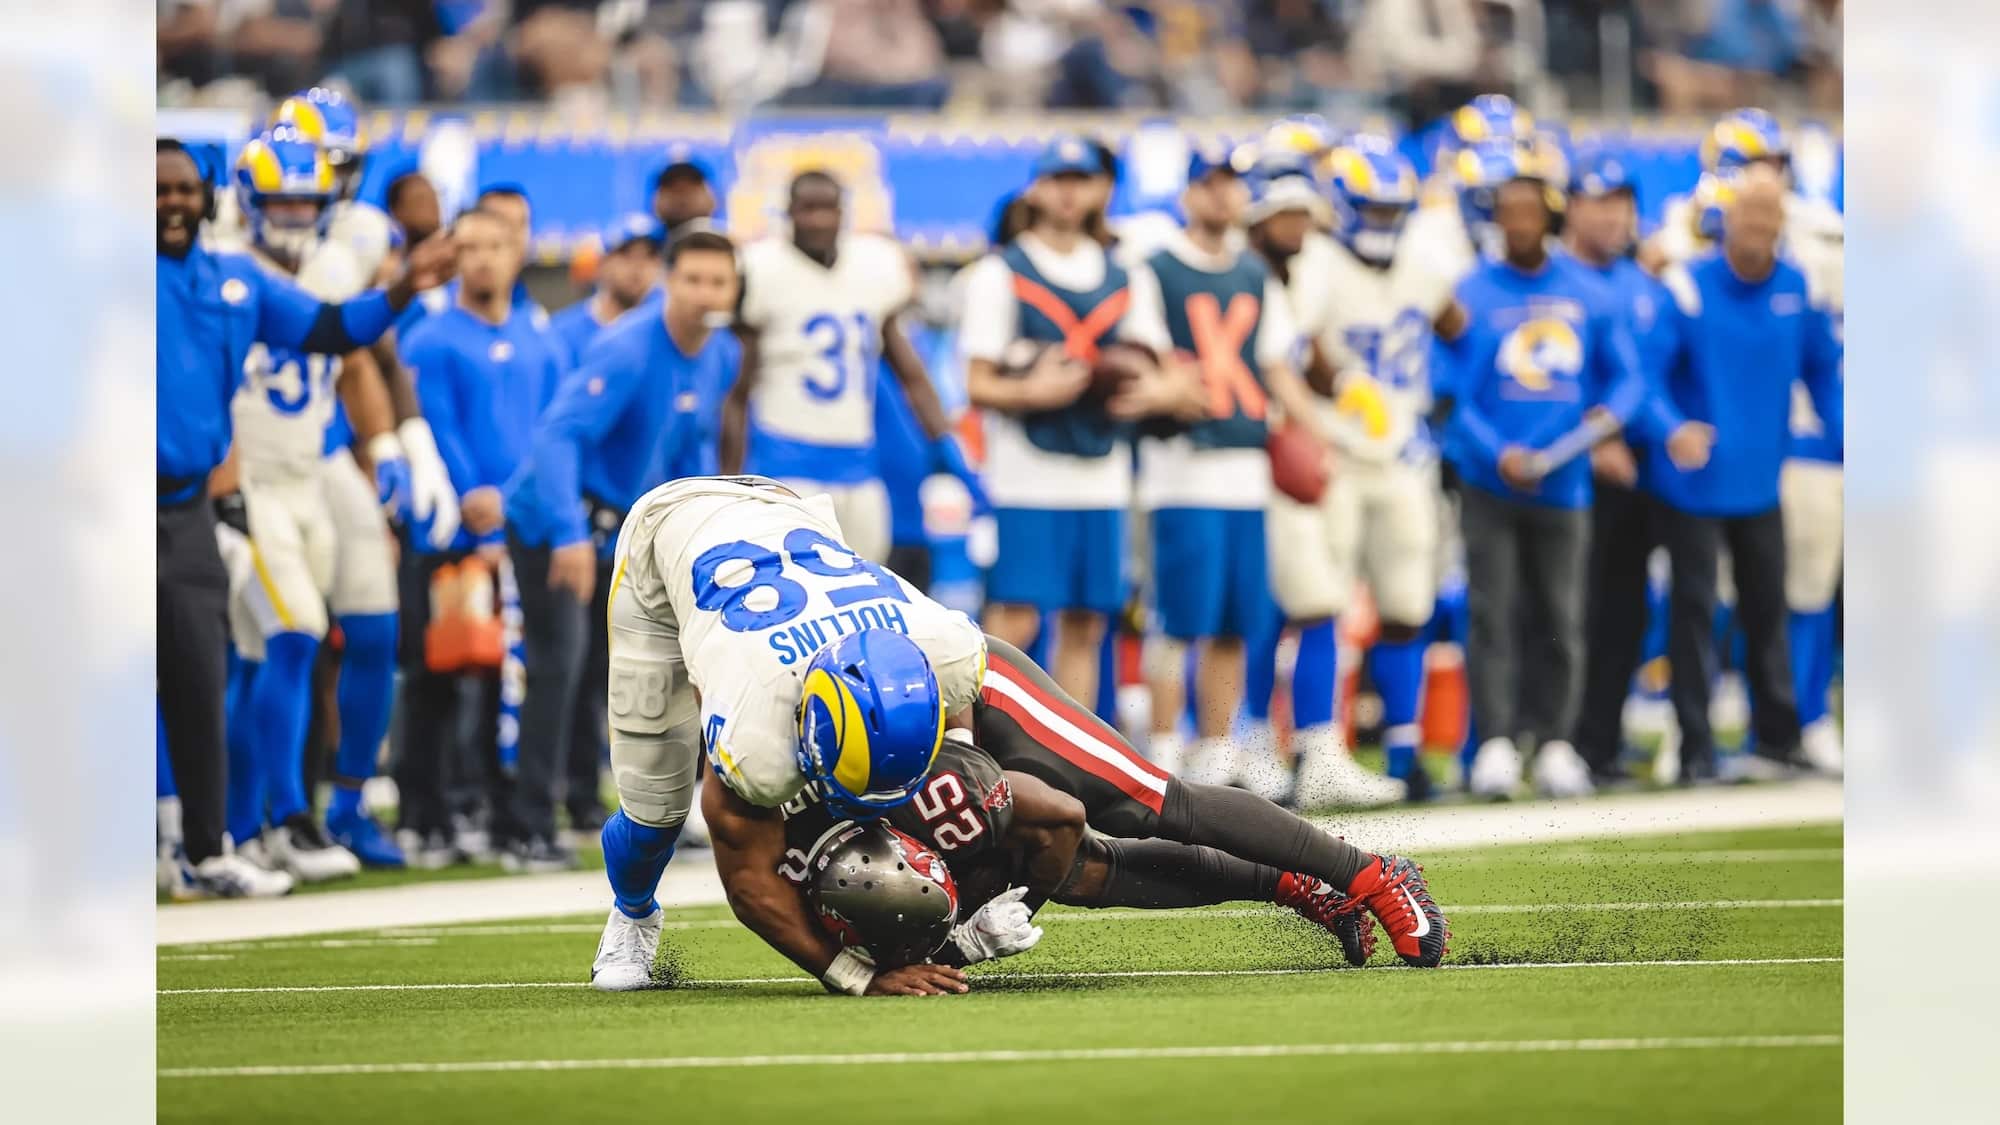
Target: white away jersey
x,y
1377,333
1308,278
366,230
820,335
757,580
285,402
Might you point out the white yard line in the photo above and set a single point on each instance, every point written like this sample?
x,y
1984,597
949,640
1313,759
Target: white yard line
x,y
411,936
691,880
1133,974
1084,1054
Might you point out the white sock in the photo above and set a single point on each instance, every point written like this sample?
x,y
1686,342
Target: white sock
x,y
1166,748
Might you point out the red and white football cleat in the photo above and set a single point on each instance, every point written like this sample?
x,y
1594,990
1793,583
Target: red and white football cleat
x,y
1318,902
1394,891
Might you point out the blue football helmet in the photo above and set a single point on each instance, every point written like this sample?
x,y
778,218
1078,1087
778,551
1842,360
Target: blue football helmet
x,y
1487,118
1743,137
281,163
1374,190
328,119
871,720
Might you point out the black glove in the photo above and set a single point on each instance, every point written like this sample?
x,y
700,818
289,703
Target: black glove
x,y
230,509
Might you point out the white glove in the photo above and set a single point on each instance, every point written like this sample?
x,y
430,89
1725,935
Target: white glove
x,y
1001,928
433,501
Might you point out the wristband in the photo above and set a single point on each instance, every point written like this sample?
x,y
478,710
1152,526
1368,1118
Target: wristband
x,y
849,973
385,446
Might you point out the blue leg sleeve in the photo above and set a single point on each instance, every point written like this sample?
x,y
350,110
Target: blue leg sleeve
x,y
367,688
635,857
280,704
1314,678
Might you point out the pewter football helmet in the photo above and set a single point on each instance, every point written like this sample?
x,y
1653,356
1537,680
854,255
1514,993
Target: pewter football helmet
x,y
878,889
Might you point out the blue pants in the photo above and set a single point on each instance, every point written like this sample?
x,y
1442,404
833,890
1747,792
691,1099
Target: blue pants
x,y
1056,559
1209,574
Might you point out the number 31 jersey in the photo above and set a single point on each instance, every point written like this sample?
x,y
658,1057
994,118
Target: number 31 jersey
x,y
755,580
962,813
285,402
819,338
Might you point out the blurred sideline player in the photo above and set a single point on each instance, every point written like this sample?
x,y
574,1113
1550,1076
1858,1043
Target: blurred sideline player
x,y
1078,817
1452,229
627,272
743,626
818,311
1215,308
1379,516
1037,312
295,501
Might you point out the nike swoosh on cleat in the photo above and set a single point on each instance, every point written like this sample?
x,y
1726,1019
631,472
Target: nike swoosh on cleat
x,y
1423,920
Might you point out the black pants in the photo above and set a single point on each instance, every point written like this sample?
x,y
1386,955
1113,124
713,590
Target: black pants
x,y
193,607
1757,557
586,722
1524,567
553,635
445,739
1621,538
912,563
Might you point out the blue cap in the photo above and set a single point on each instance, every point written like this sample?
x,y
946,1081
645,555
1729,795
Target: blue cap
x,y
683,164
629,228
1068,155
1599,173
1203,159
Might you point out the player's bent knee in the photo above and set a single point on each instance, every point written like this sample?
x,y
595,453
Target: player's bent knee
x,y
654,800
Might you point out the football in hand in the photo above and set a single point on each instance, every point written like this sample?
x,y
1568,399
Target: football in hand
x,y
1118,364
1301,465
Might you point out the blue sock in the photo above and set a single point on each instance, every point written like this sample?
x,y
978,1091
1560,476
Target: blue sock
x,y
280,705
243,804
1260,673
1313,678
367,687
1038,649
1812,661
1399,678
635,857
163,767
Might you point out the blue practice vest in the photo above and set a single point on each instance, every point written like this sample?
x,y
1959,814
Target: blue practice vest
x,y
1082,322
1215,317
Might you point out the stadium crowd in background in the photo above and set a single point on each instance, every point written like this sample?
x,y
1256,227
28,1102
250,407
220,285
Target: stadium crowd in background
x,y
1491,430
1416,57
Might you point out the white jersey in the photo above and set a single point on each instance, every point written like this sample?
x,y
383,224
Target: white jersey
x,y
756,580
819,335
1437,236
286,400
1376,330
1309,277
366,230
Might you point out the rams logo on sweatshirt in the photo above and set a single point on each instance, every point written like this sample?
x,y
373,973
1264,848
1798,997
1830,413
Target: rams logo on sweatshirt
x,y
1541,354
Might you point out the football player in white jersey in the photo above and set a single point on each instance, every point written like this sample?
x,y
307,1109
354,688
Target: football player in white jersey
x,y
818,312
327,118
744,626
316,529
1378,518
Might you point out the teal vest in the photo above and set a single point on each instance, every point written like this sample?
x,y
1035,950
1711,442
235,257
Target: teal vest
x,y
1082,322
1215,317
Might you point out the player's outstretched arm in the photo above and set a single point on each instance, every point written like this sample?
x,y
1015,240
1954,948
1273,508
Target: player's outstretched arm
x,y
1045,830
749,845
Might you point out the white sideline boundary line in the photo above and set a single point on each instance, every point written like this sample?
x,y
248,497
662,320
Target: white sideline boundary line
x,y
691,880
1087,1054
428,936
1129,974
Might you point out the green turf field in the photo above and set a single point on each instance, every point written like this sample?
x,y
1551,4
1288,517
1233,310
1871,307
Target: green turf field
x,y
1718,998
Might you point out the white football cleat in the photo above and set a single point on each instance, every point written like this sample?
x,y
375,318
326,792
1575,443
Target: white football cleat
x,y
300,846
1329,777
1216,761
167,874
1496,770
1667,758
1729,703
1264,773
231,876
625,952
1819,745
1559,771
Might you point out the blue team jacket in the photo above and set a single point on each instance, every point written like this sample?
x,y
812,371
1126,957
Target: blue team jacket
x,y
1731,351
482,386
211,308
614,428
1540,349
